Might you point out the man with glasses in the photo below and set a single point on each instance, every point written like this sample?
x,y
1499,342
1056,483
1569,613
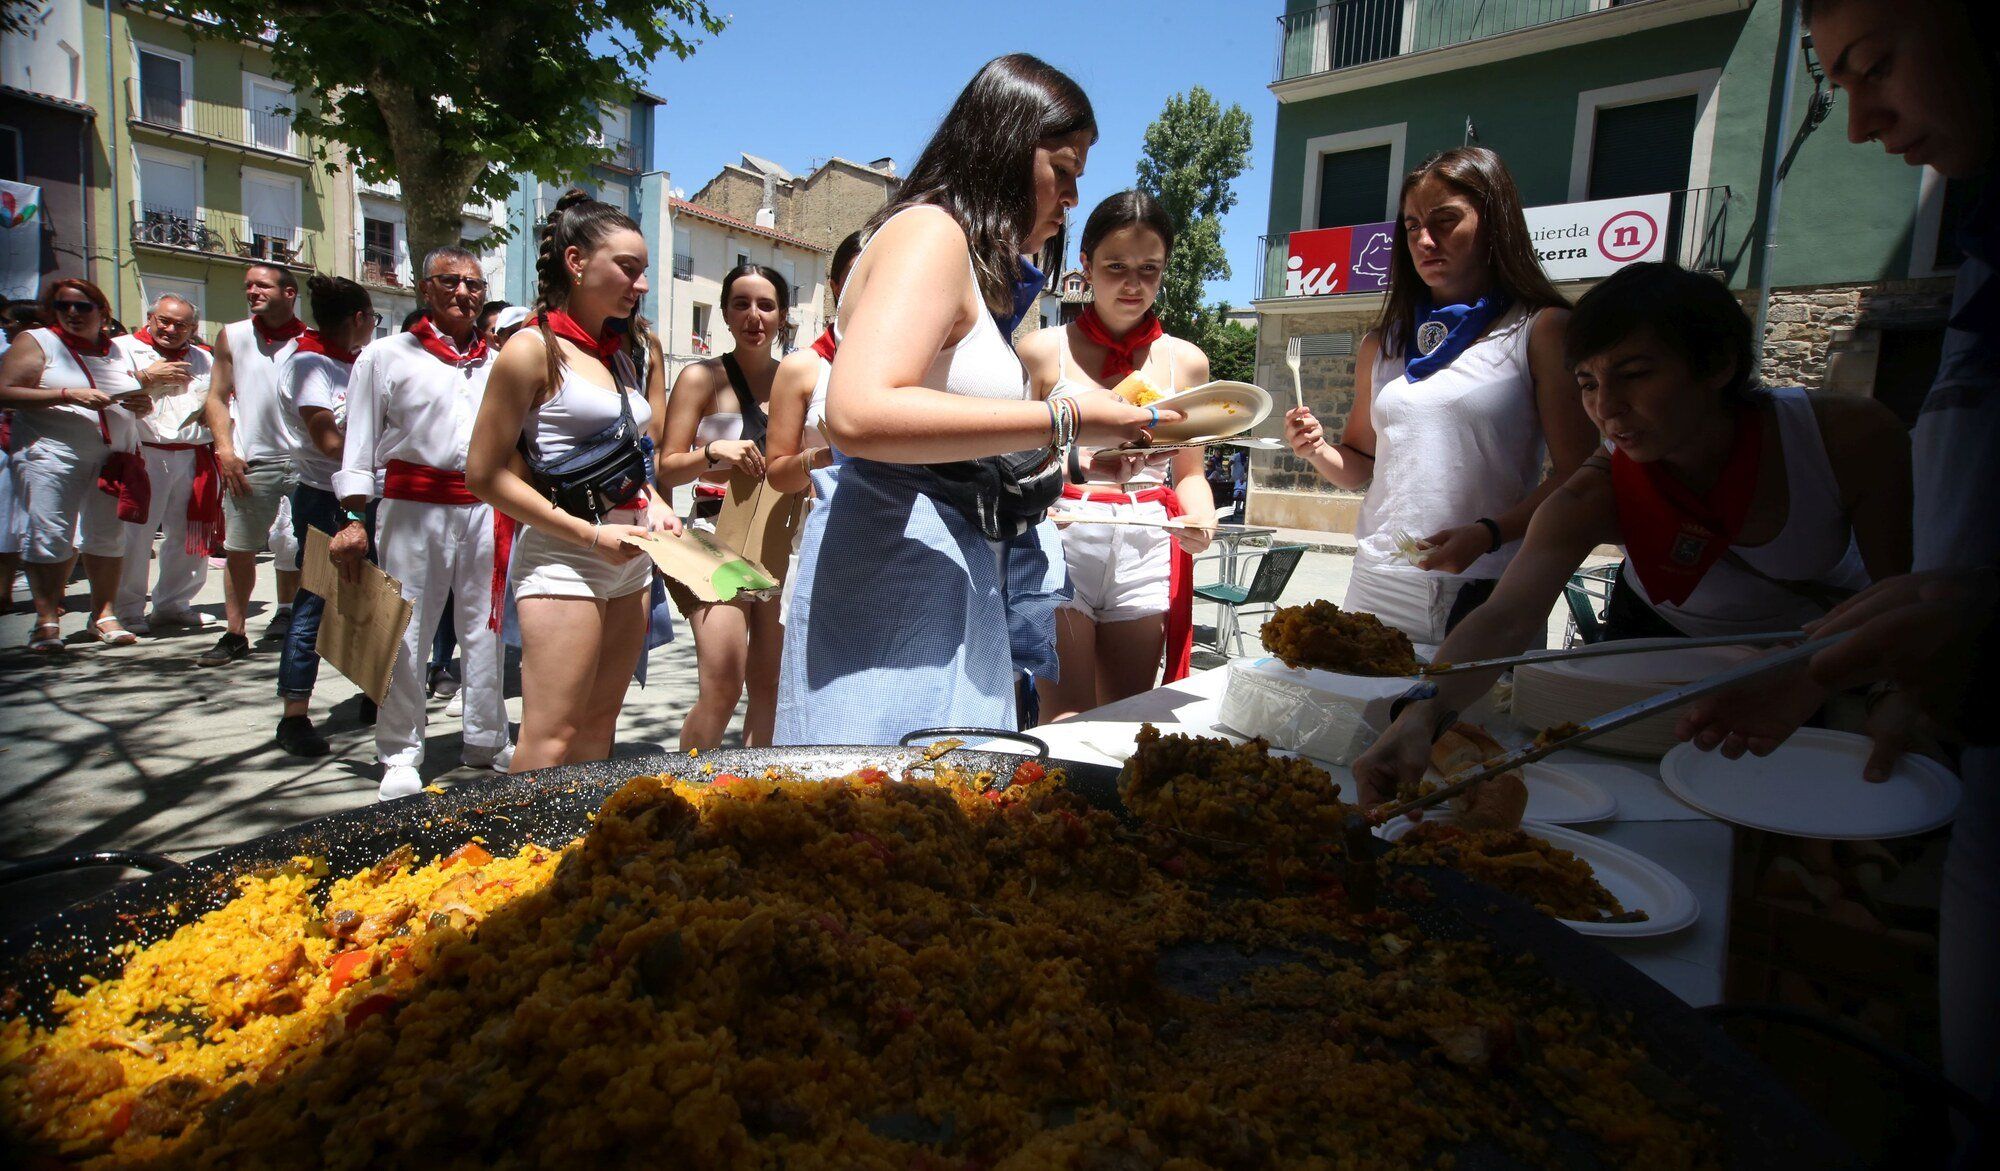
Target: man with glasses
x,y
410,408
253,446
169,360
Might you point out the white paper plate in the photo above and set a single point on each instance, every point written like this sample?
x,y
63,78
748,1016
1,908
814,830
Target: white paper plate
x,y
1811,787
1557,796
1214,410
1639,883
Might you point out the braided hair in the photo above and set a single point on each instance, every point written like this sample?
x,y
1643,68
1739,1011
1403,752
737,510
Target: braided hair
x,y
580,222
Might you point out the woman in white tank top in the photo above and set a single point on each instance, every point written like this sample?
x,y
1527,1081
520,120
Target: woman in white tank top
x,y
1460,398
1740,510
582,592
717,424
72,394
798,445
1131,583
899,618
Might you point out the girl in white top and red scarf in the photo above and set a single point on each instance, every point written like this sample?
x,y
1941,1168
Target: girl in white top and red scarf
x,y
562,380
1460,399
76,399
1757,506
1133,587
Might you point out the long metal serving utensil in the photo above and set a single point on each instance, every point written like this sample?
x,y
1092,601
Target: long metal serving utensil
x,y
1628,646
1362,880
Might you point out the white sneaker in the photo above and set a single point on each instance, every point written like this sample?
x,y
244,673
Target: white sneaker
x,y
499,761
456,707
399,780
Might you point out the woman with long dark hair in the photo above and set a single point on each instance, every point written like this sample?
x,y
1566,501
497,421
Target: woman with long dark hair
x,y
899,617
1133,586
1460,397
563,384
717,423
74,398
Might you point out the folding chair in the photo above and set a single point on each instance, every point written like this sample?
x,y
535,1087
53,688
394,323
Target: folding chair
x,y
1274,571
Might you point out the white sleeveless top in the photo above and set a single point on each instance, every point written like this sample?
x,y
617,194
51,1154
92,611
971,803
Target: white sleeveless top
x,y
1464,443
1131,471
74,425
980,365
257,415
815,432
1815,545
578,410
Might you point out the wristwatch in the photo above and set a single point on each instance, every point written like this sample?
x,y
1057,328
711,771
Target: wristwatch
x,y
354,516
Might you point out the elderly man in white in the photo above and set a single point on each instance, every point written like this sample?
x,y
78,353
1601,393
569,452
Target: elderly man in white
x,y
410,406
186,512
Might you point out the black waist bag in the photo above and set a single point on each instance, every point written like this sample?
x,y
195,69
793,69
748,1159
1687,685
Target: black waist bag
x,y
604,472
1004,495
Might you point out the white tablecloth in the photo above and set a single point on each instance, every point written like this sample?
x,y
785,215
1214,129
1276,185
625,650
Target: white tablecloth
x,y
1696,848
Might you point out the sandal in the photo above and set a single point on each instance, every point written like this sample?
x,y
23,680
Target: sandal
x,y
49,643
118,637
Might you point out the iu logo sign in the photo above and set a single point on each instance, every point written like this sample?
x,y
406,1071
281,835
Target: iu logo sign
x,y
1353,259
1627,236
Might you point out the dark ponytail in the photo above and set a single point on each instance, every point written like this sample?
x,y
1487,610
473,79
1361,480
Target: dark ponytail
x,y
334,299
580,222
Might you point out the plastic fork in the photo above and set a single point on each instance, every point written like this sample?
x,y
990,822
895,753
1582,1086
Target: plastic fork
x,y
1292,356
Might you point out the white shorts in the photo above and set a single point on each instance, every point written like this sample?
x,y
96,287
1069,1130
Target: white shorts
x,y
1118,572
545,567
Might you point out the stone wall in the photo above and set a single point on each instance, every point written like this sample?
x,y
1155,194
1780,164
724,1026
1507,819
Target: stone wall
x,y
835,200
1828,337
733,193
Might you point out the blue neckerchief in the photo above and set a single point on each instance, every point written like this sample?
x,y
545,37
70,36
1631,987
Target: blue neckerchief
x,y
1027,287
1444,331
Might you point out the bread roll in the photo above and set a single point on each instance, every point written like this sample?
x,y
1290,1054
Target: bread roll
x,y
1137,391
1491,804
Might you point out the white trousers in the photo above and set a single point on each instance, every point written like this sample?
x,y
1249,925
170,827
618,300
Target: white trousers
x,y
435,549
182,573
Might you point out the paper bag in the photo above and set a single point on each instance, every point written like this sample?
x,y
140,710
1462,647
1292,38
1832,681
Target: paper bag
x,y
705,567
761,521
361,631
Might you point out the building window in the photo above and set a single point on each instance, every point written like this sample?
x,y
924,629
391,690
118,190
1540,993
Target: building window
x,y
378,251
683,255
162,88
699,340
267,109
271,205
12,166
1642,149
153,287
742,258
1351,183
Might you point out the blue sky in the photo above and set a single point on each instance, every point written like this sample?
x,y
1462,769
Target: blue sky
x,y
798,81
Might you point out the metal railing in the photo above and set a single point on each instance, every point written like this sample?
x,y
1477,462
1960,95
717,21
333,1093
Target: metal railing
x,y
173,110
621,153
1697,231
208,232
1347,33
381,270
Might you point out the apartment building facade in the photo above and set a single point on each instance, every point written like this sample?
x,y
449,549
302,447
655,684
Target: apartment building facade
x,y
46,122
1641,129
707,244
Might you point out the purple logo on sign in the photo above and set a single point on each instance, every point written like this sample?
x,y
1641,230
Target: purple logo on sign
x,y
1368,269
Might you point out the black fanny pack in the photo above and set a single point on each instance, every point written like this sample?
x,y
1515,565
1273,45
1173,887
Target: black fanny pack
x,y
604,472
1004,495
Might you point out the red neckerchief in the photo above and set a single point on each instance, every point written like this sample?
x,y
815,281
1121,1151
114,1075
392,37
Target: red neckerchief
x,y
439,346
144,337
1118,351
80,347
313,341
602,347
825,344
271,336
1672,536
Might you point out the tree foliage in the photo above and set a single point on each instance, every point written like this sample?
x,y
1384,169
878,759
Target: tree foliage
x,y
1192,154
1231,349
449,99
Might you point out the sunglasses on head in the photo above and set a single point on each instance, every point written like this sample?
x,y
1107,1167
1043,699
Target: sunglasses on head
x,y
76,306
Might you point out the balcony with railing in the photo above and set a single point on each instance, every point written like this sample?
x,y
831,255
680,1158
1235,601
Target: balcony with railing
x,y
621,154
204,231
1696,231
174,112
1348,33
380,269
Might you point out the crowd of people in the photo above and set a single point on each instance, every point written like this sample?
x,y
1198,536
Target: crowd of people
x,y
503,462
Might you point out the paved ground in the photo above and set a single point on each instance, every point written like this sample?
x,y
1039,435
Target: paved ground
x,y
137,748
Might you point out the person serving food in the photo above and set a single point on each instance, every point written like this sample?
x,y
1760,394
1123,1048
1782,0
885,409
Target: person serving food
x,y
1741,509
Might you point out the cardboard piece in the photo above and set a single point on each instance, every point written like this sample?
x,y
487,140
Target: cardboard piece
x,y
361,631
705,567
761,521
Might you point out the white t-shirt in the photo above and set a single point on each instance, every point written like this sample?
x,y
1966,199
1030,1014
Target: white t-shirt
x,y
169,421
313,380
261,430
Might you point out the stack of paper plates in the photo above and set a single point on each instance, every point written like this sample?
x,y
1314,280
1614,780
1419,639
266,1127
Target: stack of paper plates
x,y
1576,690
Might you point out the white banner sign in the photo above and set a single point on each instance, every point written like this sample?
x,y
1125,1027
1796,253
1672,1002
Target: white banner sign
x,y
1581,241
20,241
